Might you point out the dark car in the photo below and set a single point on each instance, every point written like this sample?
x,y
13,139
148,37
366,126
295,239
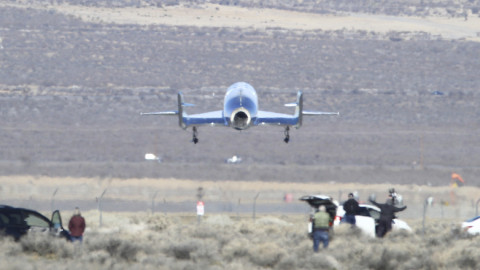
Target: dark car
x,y
17,222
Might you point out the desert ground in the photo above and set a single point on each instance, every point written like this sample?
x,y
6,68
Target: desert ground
x,y
75,75
152,224
174,241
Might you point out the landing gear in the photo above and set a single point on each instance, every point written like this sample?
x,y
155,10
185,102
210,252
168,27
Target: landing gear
x,y
195,132
287,135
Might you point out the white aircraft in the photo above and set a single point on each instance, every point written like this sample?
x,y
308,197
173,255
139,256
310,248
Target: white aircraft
x,y
240,111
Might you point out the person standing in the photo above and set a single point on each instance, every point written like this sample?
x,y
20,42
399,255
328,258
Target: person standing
x,y
387,214
76,226
321,225
351,209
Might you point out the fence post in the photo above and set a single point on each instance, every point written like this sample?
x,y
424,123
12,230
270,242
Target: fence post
x,y
255,205
476,208
153,202
428,201
100,207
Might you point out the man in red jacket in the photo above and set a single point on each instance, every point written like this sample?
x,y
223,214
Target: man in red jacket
x,y
76,226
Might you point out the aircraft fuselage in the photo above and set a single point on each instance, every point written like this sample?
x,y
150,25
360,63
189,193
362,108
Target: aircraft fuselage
x,y
240,106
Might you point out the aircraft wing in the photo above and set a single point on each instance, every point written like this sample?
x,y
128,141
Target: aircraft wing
x,y
281,119
319,113
160,113
208,118
272,118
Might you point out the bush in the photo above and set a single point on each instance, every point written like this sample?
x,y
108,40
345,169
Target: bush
x,y
236,250
157,223
244,245
48,246
114,245
266,255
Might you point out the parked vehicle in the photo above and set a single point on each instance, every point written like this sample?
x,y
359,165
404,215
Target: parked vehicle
x,y
315,201
472,226
367,219
17,222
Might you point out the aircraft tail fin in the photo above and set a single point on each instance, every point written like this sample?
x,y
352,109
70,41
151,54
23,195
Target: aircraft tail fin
x,y
298,109
182,115
299,112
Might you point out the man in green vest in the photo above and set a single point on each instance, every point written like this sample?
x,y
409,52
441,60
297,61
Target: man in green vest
x,y
321,225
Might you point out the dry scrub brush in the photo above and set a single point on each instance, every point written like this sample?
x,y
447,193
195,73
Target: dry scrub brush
x,y
223,242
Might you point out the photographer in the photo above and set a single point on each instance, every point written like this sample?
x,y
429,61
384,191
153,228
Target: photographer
x,y
387,214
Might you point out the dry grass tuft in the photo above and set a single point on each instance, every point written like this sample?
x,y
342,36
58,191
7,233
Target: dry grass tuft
x,y
44,245
266,254
321,261
116,246
236,250
157,223
219,220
